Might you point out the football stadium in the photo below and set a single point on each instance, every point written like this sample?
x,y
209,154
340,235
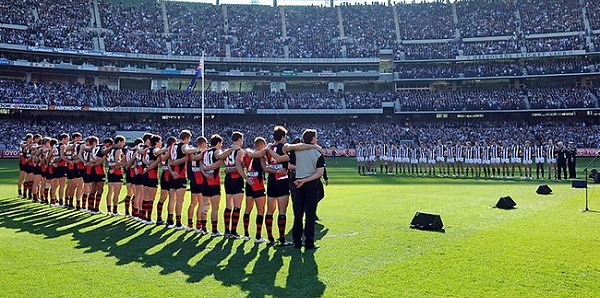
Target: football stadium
x,y
283,148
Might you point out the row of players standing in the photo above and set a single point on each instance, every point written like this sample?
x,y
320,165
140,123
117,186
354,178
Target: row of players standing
x,y
74,169
475,159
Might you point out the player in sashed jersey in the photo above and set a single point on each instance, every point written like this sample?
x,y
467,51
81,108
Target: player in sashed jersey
x,y
255,189
114,177
165,181
24,148
151,160
130,178
74,182
212,161
197,178
141,179
235,177
177,167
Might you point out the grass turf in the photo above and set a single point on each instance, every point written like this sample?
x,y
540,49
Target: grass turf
x,y
545,247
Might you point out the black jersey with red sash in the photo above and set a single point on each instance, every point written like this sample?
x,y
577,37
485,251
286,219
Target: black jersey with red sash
x,y
111,160
230,165
22,158
214,178
255,172
196,176
177,153
165,169
150,158
273,164
97,153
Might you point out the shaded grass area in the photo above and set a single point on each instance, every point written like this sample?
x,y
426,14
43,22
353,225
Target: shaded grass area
x,y
545,247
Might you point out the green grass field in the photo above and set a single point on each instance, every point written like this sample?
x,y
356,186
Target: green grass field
x,y
545,247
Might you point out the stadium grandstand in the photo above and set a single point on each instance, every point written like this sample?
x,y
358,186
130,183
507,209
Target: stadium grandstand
x,y
382,69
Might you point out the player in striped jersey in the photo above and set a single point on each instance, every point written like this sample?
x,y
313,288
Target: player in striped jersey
x,y
414,160
495,159
505,159
460,158
469,161
450,158
486,159
539,159
477,161
527,159
515,158
440,160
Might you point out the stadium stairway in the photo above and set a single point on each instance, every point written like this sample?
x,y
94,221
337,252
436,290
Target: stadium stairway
x,y
455,20
286,47
163,8
588,28
396,22
341,29
36,15
96,14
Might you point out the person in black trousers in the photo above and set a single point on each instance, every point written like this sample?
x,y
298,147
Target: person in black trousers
x,y
322,191
561,160
571,158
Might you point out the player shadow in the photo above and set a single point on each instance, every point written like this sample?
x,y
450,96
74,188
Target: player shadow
x,y
194,255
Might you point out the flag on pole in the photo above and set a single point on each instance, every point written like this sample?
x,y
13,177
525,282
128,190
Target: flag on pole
x,y
199,74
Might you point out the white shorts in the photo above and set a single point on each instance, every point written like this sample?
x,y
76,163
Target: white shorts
x,y
360,159
469,160
539,160
527,161
551,160
450,159
460,159
414,161
495,160
515,160
431,161
372,158
440,159
505,160
486,161
422,160
477,161
405,160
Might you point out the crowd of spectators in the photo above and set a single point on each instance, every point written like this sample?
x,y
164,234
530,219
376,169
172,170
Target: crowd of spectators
x,y
338,134
64,24
255,31
196,28
560,98
17,12
313,32
556,44
459,70
432,20
549,16
133,28
49,93
593,13
481,18
508,68
509,46
471,100
368,34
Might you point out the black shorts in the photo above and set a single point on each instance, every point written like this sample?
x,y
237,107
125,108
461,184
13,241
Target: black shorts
x,y
114,178
22,167
178,183
197,188
28,169
71,173
151,182
164,184
234,185
254,193
37,170
277,188
87,178
97,178
79,173
60,172
138,179
211,190
128,177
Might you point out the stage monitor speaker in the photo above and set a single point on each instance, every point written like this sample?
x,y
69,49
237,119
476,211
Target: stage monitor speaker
x,y
544,190
579,184
506,203
425,221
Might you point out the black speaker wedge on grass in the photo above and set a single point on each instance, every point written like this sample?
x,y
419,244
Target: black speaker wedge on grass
x,y
426,221
544,190
579,184
506,203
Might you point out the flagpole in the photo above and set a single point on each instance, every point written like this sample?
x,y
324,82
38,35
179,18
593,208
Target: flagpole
x,y
203,93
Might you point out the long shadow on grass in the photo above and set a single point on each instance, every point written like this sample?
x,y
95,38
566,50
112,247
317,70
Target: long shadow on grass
x,y
194,255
